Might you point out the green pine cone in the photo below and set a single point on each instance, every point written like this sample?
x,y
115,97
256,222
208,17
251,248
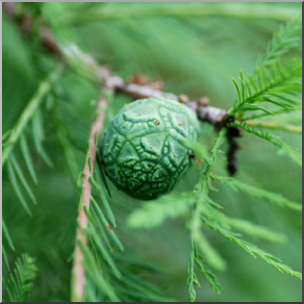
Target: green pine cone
x,y
143,149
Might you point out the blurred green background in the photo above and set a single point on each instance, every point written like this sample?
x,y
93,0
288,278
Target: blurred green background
x,y
195,48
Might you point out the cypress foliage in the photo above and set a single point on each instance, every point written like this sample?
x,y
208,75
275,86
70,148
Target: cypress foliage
x,y
161,250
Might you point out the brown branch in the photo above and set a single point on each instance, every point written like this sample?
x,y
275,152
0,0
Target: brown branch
x,y
25,23
78,268
200,106
204,112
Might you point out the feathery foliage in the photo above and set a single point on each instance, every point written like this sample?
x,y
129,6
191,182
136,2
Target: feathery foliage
x,y
287,38
260,193
45,138
20,282
253,250
272,83
109,277
275,81
279,86
30,114
275,140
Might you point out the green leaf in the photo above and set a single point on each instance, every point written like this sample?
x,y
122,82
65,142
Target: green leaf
x,y
4,255
22,178
100,188
16,187
96,276
91,231
27,157
6,234
254,107
38,136
105,223
237,89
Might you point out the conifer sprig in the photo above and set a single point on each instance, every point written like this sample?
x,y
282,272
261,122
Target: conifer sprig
x,y
106,274
287,38
274,198
197,241
279,86
31,114
252,249
275,140
21,279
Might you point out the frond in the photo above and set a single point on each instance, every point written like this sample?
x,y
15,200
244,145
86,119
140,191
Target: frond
x,y
252,249
197,239
20,282
212,279
277,86
7,235
109,275
31,114
275,140
8,238
193,283
257,192
275,82
288,37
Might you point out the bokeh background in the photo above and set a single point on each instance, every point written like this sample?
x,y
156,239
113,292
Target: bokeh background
x,y
195,48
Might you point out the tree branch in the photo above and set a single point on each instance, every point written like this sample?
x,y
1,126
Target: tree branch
x,y
78,283
204,112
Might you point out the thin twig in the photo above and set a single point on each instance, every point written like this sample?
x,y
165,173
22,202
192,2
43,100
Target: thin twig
x,y
78,283
204,112
201,106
